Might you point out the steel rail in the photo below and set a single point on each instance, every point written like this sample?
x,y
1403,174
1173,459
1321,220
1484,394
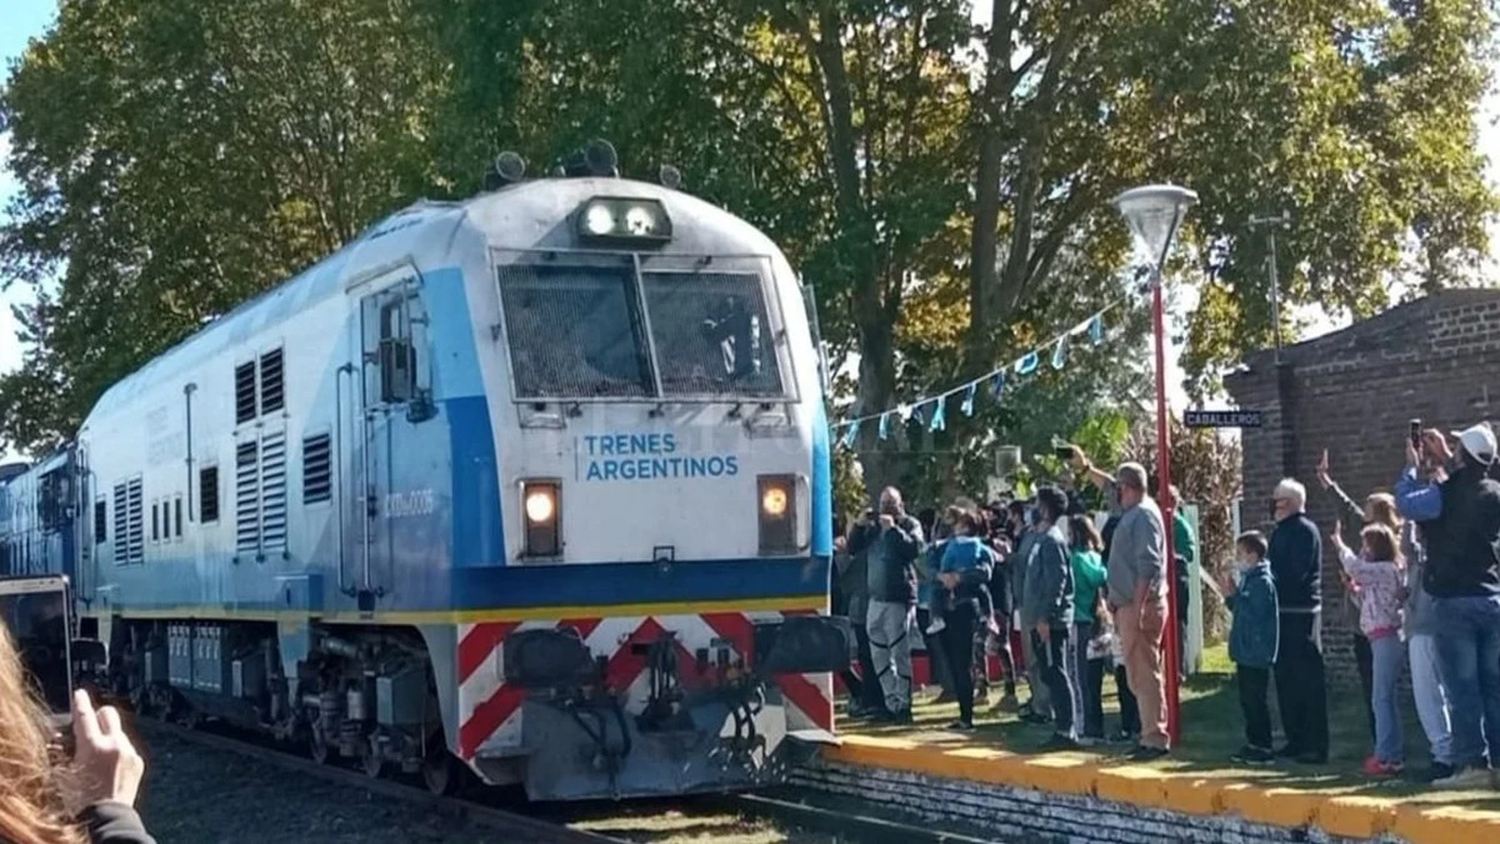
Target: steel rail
x,y
522,827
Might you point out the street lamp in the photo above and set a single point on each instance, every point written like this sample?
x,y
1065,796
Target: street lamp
x,y
1154,213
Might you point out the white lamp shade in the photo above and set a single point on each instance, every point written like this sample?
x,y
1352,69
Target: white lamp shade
x,y
1154,212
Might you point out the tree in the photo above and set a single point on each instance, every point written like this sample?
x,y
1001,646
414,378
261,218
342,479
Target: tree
x,y
944,186
176,159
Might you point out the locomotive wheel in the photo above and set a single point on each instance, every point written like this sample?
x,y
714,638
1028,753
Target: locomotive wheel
x,y
440,773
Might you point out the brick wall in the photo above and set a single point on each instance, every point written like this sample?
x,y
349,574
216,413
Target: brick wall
x,y
1354,393
999,813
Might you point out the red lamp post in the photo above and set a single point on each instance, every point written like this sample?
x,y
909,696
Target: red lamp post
x,y
1154,213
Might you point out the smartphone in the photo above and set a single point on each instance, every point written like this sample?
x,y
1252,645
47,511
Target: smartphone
x,y
1063,452
35,611
1416,434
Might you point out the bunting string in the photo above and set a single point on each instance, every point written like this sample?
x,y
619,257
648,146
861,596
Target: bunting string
x,y
932,410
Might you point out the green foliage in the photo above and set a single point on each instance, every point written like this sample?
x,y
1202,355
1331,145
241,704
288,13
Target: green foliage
x,y
945,188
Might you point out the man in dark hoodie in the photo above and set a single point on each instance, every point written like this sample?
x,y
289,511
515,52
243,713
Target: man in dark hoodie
x,y
894,547
1459,512
1047,614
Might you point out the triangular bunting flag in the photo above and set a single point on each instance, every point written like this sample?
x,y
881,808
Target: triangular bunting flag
x,y
968,405
919,413
885,425
940,415
1096,328
1060,354
997,384
1028,364
851,435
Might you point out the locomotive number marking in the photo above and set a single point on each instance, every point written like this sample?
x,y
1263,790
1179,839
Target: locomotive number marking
x,y
405,505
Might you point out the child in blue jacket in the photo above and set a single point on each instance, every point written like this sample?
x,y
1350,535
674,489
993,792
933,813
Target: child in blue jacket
x,y
1253,641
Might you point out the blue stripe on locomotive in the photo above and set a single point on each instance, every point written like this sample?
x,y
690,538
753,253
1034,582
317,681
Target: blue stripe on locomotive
x,y
821,509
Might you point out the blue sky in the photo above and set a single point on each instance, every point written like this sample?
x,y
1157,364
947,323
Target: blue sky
x,y
26,19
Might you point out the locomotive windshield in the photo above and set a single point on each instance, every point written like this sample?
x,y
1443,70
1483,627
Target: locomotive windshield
x,y
710,334
573,332
578,332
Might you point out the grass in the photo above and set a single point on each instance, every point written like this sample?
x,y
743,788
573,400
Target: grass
x,y
1212,729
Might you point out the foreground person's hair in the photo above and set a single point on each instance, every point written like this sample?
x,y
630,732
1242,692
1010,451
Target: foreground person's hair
x,y
31,804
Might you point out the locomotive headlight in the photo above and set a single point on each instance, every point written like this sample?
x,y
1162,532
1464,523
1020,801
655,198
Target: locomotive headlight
x,y
599,220
778,514
773,502
623,221
640,221
541,505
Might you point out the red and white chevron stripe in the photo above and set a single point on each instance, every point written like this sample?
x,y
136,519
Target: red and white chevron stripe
x,y
490,711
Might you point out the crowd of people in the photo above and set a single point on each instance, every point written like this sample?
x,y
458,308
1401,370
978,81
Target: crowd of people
x,y
1421,589
1085,603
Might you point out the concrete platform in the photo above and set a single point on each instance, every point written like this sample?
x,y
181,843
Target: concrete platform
x,y
1332,811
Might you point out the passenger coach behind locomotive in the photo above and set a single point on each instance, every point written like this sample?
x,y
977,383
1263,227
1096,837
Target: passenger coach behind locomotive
x,y
538,481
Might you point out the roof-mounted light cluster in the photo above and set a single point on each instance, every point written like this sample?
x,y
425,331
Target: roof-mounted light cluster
x,y
622,220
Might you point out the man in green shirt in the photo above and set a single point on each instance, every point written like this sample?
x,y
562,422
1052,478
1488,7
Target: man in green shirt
x,y
1185,547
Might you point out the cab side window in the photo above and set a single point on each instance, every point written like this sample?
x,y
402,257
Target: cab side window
x,y
397,361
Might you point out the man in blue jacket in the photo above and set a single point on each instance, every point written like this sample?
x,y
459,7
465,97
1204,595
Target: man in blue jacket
x,y
1459,512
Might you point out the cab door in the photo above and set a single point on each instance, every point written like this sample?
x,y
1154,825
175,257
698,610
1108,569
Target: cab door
x,y
396,396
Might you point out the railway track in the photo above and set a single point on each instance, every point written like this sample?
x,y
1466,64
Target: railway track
x,y
843,823
515,826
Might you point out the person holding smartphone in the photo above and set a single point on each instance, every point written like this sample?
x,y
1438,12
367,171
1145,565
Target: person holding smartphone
x,y
103,778
1458,510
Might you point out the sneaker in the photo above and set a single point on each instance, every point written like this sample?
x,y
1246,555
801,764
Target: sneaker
x,y
1059,742
1090,741
1439,771
1313,757
1465,779
1008,703
1288,751
1124,737
935,627
1377,767
961,727
1252,755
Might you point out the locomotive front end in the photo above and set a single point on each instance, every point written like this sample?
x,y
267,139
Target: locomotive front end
x,y
656,620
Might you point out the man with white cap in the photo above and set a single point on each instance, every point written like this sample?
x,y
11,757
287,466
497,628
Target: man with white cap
x,y
1459,512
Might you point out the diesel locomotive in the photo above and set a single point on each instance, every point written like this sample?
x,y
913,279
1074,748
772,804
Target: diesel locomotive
x,y
534,485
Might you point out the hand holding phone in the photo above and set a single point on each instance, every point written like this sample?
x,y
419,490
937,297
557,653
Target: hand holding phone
x,y
107,765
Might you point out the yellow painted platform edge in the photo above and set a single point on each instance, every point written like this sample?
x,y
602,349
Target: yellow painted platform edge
x,y
1352,816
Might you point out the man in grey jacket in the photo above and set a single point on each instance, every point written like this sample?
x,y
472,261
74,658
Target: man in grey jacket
x,y
1047,614
1137,584
1038,709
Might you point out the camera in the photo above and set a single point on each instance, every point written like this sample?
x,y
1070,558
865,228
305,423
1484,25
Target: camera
x,y
1416,433
1064,451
